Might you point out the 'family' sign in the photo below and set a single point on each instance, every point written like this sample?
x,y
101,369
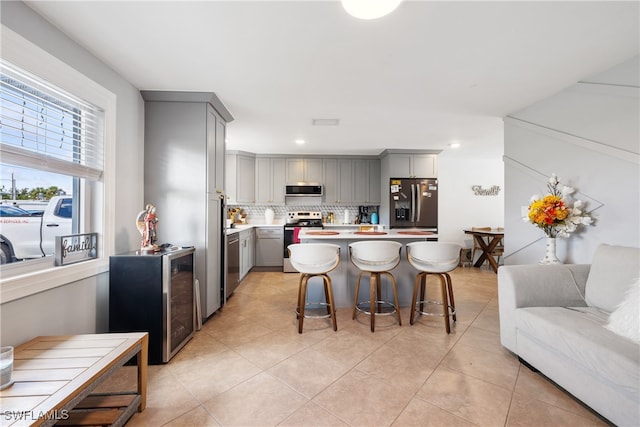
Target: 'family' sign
x,y
76,248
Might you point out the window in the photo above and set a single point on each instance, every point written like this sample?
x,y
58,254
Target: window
x,y
53,141
56,128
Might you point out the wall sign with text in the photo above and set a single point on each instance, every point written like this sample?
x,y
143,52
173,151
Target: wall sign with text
x,y
76,248
478,190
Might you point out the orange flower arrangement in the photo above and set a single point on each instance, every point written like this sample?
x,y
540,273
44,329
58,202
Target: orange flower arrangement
x,y
552,212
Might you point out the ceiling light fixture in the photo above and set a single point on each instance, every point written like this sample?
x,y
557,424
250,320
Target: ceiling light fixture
x,y
300,141
454,145
370,9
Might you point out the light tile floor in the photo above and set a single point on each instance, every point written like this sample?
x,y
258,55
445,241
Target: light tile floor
x,y
248,366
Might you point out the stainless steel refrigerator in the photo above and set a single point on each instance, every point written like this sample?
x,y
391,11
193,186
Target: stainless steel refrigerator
x,y
414,203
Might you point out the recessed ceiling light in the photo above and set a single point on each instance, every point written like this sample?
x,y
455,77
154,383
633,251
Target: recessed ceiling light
x,y
370,9
300,141
325,122
454,145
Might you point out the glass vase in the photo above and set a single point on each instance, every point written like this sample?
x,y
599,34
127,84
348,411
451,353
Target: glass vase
x,y
550,252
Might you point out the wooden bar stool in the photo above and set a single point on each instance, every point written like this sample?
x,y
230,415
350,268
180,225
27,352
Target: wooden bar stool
x,y
376,258
314,260
434,258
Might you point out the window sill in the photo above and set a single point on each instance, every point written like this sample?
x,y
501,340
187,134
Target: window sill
x,y
24,285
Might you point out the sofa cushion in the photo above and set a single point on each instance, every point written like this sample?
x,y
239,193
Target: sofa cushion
x,y
625,320
578,334
613,270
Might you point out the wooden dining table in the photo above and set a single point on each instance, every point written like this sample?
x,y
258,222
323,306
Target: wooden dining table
x,y
487,240
54,377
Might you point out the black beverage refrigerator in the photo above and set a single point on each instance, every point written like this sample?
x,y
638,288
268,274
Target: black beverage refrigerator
x,y
414,203
154,292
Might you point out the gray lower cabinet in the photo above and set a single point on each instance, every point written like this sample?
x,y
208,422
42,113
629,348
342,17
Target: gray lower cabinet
x,y
247,251
269,246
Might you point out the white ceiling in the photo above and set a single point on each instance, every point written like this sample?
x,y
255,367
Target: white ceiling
x,y
427,75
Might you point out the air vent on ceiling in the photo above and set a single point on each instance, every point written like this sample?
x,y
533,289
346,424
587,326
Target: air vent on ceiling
x,y
325,122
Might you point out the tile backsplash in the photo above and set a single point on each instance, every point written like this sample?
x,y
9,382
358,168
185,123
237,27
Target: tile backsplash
x,y
255,213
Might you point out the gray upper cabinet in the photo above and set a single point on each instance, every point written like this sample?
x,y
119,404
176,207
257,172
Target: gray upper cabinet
x,y
270,180
365,182
304,170
425,166
360,181
338,181
216,153
352,181
374,189
409,165
330,181
240,177
345,181
184,178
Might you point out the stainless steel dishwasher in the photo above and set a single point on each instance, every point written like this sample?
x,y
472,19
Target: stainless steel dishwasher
x,y
233,263
269,246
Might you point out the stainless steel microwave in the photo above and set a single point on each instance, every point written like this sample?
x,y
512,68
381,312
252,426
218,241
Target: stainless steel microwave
x,y
303,190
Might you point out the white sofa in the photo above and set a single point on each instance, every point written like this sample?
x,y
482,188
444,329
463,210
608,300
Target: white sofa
x,y
554,316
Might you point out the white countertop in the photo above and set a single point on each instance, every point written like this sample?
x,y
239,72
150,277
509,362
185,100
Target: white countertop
x,y
336,225
240,227
395,234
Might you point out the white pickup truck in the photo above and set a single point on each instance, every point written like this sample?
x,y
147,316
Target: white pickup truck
x,y
25,235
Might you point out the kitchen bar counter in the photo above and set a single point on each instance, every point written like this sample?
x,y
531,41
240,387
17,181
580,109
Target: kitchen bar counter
x,y
344,276
334,227
401,235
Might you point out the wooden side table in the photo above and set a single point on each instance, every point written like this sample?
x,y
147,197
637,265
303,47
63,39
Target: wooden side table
x,y
55,375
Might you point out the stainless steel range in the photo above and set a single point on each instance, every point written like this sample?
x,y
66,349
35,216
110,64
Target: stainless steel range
x,y
296,221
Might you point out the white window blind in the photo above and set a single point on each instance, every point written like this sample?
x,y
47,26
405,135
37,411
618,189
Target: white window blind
x,y
43,127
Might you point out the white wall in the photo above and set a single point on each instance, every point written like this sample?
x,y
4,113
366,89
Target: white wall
x,y
82,307
588,134
458,206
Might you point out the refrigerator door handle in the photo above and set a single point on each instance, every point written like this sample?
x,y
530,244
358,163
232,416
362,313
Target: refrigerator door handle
x,y
418,201
413,203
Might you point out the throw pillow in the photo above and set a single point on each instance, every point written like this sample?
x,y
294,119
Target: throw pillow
x,y
625,319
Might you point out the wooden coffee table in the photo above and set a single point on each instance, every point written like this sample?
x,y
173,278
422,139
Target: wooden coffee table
x,y
55,375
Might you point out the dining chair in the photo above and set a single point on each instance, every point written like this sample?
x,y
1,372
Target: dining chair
x,y
476,245
498,251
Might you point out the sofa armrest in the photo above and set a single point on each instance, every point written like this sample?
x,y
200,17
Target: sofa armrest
x,y
537,286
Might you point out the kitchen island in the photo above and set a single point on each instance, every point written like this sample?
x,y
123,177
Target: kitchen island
x,y
345,275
